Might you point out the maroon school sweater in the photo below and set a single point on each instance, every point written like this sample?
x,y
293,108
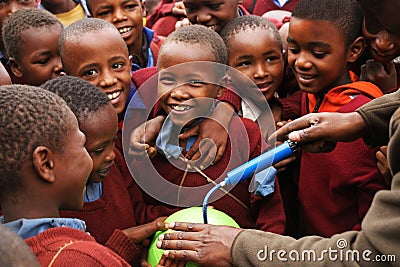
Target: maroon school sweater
x,y
336,189
259,7
264,213
64,246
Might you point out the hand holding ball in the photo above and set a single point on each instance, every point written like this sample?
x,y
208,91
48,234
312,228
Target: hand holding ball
x,y
193,215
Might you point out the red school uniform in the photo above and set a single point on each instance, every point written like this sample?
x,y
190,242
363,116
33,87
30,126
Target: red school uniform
x,y
336,189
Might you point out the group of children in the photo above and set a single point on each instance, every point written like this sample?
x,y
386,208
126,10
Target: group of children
x,y
86,169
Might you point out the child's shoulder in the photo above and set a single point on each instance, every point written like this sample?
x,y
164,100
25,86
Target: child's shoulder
x,y
240,127
71,247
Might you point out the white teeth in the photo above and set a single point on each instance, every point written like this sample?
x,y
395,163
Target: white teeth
x,y
306,77
114,95
181,108
124,30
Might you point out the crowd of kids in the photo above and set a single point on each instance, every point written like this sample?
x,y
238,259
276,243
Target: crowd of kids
x,y
109,124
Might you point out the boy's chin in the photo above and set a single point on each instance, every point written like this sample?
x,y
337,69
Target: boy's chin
x,y
182,123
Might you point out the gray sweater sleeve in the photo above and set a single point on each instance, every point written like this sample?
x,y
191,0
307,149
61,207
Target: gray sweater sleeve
x,y
376,115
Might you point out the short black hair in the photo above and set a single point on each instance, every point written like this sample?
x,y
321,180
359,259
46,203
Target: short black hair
x,y
14,251
82,97
201,35
22,20
76,30
346,15
29,117
247,23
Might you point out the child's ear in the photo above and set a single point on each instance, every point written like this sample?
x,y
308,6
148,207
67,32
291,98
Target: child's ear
x,y
130,60
356,49
15,67
43,162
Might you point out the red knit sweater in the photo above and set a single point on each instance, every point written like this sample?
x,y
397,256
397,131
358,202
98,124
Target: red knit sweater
x,y
114,210
336,189
64,246
264,213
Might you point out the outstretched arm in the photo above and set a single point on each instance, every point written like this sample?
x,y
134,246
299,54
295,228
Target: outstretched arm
x,y
319,132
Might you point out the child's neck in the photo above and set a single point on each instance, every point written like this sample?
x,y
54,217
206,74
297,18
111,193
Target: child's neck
x,y
345,79
135,49
59,8
28,211
29,208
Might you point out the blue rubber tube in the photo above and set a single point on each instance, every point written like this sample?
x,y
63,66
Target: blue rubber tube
x,y
247,169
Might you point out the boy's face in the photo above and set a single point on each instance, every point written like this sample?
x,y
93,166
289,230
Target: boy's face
x,y
258,55
383,44
317,54
186,94
39,59
103,63
214,14
101,130
73,166
126,15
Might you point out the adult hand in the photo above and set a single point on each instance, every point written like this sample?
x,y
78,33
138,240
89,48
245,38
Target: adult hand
x,y
205,244
319,132
385,77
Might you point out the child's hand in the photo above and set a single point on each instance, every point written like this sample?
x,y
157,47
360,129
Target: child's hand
x,y
210,144
179,9
283,164
212,136
182,23
140,233
166,262
146,132
280,124
385,77
383,166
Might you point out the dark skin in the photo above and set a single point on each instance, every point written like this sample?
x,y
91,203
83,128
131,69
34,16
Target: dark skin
x,y
318,132
59,6
7,8
50,186
205,244
4,76
204,152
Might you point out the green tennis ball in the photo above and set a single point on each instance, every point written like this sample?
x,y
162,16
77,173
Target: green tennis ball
x,y
193,215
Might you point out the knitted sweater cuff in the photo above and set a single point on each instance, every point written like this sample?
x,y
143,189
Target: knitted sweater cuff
x,y
123,246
